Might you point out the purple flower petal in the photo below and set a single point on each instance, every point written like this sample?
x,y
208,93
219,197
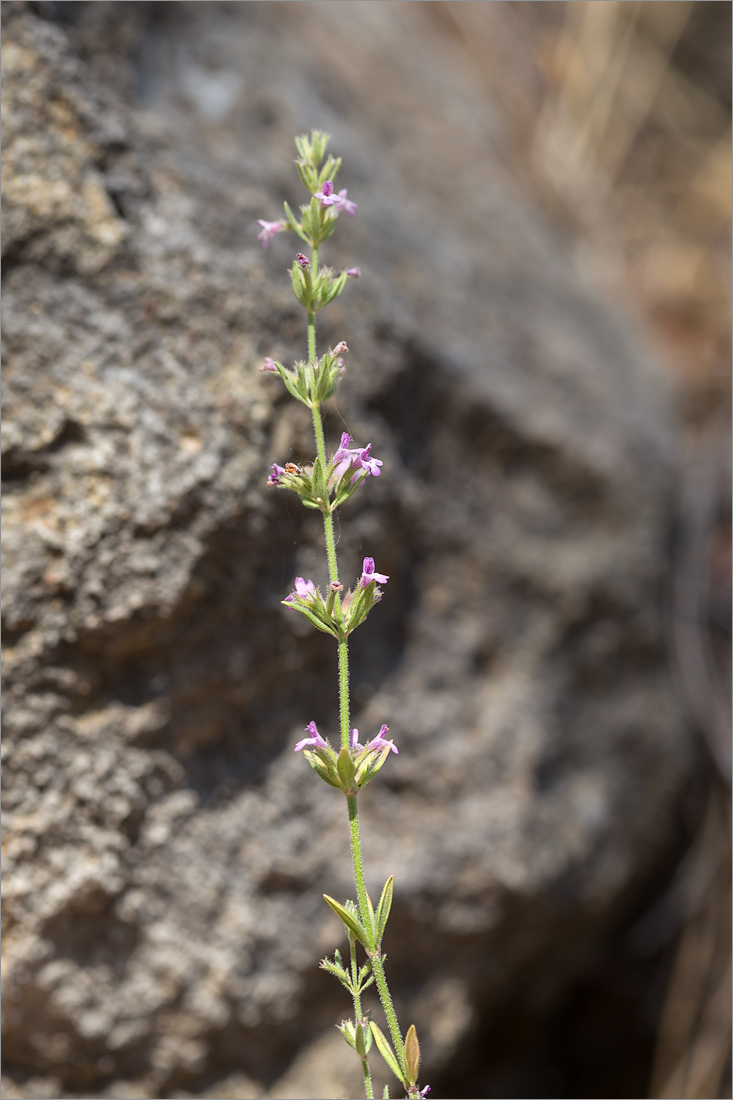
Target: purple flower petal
x,y
369,574
268,231
379,742
277,472
348,207
315,740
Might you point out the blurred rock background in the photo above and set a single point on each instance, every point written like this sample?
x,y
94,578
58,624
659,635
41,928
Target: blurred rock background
x,y
540,353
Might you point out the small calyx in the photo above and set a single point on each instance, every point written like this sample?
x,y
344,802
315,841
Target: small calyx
x,y
314,289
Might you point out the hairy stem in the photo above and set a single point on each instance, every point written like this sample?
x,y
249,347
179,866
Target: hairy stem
x,y
345,719
386,998
358,861
333,572
368,1087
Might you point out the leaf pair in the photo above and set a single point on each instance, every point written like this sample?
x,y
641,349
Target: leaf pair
x,y
407,1072
369,937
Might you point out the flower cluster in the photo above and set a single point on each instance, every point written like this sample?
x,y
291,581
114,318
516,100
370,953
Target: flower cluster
x,y
352,768
329,488
314,382
334,615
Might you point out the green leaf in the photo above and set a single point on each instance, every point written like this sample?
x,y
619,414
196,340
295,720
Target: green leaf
x,y
385,904
387,1053
385,1094
347,1029
370,910
320,489
317,623
365,985
300,287
292,387
319,766
412,1054
360,606
350,921
345,769
337,971
332,289
294,224
363,1040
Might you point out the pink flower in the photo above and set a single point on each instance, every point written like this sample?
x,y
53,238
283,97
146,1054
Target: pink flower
x,y
377,743
277,472
339,202
354,272
348,207
371,465
269,229
369,574
327,196
343,449
315,741
303,590
269,365
356,458
303,260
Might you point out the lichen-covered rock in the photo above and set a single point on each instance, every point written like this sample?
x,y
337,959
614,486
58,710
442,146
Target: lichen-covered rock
x,y
165,852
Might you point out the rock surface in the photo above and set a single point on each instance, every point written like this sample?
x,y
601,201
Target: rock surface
x,y
165,852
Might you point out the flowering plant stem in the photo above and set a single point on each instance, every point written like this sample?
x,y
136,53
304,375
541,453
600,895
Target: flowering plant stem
x,y
324,486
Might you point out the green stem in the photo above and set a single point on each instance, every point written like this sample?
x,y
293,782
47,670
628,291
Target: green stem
x,y
357,860
368,1088
386,998
344,692
343,664
312,316
333,573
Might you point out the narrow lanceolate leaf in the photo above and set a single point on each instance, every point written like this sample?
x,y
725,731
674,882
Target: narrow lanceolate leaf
x,y
293,223
309,616
319,482
412,1055
333,289
365,983
363,1040
317,766
337,971
292,387
387,1053
370,913
352,924
385,904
